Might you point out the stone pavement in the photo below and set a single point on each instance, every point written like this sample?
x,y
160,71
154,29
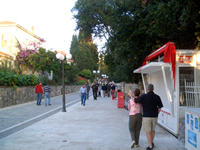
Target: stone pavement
x,y
99,125
19,114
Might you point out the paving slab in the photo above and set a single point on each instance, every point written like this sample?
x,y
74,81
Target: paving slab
x,y
99,125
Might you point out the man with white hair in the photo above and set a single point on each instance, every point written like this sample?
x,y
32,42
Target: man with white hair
x,y
152,105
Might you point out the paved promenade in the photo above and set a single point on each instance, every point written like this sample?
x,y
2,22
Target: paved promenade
x,y
99,125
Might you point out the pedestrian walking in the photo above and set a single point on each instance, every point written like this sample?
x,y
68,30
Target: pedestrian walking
x,y
94,90
113,87
108,89
99,89
88,90
39,92
135,119
83,93
104,88
152,105
113,90
47,93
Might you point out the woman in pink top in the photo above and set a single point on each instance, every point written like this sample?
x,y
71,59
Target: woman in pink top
x,y
135,119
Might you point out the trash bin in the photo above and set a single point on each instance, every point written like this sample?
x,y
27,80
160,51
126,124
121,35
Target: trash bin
x,y
120,99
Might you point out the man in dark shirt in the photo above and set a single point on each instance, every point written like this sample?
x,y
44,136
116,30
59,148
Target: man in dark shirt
x,y
88,90
95,89
152,105
108,89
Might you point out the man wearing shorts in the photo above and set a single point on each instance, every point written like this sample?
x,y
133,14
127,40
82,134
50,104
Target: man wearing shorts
x,y
152,105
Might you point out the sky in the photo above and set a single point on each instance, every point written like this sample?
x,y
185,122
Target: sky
x,y
51,19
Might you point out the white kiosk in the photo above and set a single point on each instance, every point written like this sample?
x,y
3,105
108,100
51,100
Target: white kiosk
x,y
175,75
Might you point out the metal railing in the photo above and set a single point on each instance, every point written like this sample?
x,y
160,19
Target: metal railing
x,y
192,94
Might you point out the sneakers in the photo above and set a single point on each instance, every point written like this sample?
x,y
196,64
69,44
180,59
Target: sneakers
x,y
136,146
133,144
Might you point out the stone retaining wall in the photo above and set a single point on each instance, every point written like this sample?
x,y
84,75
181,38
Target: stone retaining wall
x,y
9,96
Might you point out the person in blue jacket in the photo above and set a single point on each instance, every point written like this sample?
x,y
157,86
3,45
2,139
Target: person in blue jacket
x,y
104,88
113,87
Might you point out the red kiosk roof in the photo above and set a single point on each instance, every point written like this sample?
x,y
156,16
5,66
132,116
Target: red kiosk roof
x,y
169,51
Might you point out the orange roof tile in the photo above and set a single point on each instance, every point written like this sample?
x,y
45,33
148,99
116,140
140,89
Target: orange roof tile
x,y
5,54
7,22
61,52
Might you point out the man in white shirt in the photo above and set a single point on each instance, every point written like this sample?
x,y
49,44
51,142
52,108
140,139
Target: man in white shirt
x,y
83,93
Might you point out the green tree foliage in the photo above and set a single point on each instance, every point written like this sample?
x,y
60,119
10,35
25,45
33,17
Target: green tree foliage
x,y
71,72
11,79
94,16
134,29
45,61
42,60
85,73
9,66
84,52
74,47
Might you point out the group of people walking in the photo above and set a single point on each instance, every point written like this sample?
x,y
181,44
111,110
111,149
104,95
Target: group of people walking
x,y
39,92
96,90
105,87
144,112
84,92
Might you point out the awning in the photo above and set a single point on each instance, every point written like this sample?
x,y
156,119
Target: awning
x,y
152,67
169,52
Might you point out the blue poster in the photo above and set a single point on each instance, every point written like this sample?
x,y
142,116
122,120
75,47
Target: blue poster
x,y
199,124
196,123
188,118
192,138
191,124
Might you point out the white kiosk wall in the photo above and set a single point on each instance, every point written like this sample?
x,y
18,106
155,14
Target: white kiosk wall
x,y
165,117
159,88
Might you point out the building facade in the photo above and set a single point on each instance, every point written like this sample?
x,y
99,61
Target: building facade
x,y
12,35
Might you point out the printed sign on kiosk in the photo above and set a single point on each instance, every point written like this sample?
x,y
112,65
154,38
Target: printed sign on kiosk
x,y
185,59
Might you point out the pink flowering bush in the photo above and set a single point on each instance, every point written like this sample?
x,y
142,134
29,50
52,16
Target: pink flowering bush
x,y
23,56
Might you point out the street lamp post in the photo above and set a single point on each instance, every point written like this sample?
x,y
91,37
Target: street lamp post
x,y
95,72
63,87
105,76
61,58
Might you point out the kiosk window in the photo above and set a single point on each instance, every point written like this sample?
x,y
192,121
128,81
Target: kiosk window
x,y
186,74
